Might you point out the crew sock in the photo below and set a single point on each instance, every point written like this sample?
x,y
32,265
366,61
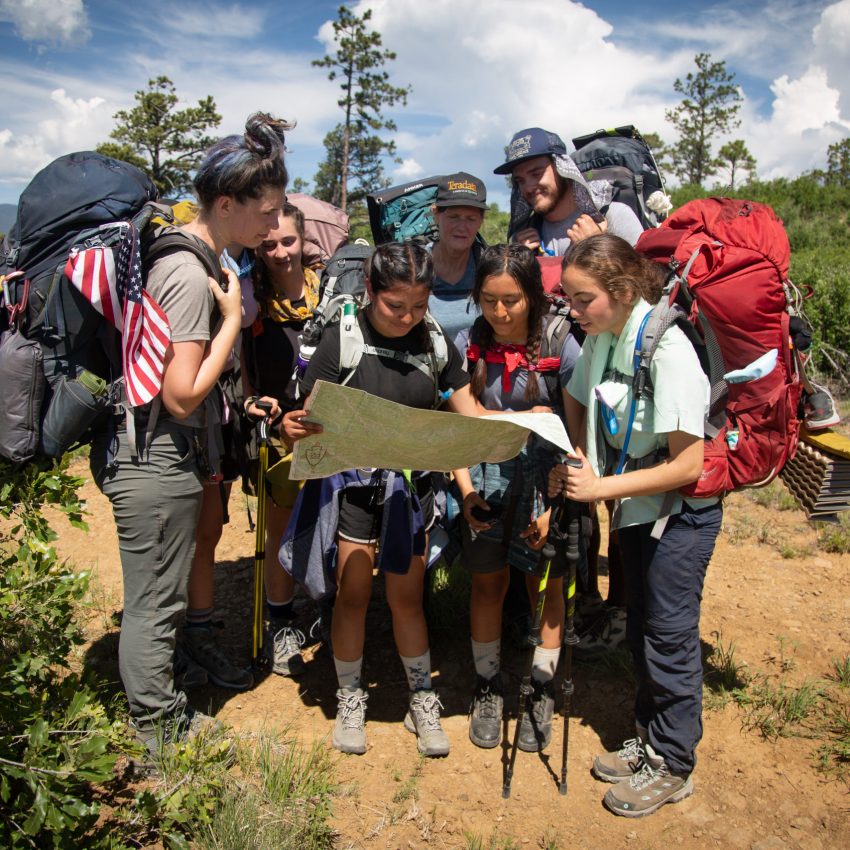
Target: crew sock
x,y
487,657
418,671
348,673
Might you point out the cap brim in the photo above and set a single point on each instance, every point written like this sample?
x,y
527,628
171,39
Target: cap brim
x,y
508,167
481,205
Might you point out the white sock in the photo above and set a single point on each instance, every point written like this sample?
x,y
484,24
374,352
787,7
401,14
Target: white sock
x,y
348,673
544,663
418,670
487,657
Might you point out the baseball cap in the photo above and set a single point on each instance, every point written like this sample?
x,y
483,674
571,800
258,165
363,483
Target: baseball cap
x,y
461,190
530,143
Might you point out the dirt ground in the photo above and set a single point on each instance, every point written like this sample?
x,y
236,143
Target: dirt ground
x,y
786,616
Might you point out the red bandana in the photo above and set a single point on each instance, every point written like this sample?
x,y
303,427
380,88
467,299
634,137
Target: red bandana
x,y
512,356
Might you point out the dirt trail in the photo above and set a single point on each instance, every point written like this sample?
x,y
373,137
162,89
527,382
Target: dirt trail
x,y
790,613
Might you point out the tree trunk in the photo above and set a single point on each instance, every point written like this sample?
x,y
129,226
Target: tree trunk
x,y
346,137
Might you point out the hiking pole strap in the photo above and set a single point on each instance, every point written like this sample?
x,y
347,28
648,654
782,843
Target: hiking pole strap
x,y
534,641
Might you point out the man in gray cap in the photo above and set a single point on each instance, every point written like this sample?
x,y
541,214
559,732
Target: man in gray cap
x,y
552,205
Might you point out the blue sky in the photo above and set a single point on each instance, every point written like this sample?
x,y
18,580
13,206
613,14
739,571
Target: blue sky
x,y
480,70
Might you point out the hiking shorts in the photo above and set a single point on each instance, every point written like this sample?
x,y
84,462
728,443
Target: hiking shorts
x,y
361,511
483,553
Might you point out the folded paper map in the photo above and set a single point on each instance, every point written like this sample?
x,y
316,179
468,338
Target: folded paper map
x,y
362,431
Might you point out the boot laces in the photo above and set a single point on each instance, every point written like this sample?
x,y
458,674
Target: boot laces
x,y
288,641
647,775
427,707
353,710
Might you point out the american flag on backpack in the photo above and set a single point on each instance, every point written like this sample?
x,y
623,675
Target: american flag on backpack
x,y
115,289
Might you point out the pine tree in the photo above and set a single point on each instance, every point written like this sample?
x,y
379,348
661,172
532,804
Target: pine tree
x,y
709,108
162,140
736,157
365,93
838,163
365,167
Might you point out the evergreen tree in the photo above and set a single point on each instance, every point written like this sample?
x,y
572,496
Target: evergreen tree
x,y
709,108
162,140
365,92
365,167
659,150
736,157
838,163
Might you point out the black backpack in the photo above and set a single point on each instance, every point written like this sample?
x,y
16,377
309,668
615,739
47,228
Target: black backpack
x,y
623,158
60,360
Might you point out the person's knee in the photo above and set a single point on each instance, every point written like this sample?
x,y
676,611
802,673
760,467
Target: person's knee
x,y
490,588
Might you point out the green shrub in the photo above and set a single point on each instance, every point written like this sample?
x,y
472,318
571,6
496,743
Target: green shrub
x,y
56,738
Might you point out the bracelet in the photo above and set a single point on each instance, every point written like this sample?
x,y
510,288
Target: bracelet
x,y
250,401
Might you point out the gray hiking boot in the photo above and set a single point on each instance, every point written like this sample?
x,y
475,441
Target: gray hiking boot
x,y
188,726
607,634
423,719
284,648
535,731
620,764
201,646
187,673
648,790
485,714
350,727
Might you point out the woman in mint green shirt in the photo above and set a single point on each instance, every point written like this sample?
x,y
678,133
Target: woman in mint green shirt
x,y
666,541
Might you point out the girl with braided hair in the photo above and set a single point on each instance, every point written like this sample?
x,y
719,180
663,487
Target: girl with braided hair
x,y
381,518
513,369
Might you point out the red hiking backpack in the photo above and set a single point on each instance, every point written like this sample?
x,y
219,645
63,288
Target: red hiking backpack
x,y
728,289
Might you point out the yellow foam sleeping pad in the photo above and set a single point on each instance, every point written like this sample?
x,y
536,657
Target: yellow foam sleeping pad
x,y
827,441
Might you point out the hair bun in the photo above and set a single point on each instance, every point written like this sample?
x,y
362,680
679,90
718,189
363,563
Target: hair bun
x,y
265,135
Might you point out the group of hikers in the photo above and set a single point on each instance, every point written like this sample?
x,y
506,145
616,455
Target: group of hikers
x,y
492,345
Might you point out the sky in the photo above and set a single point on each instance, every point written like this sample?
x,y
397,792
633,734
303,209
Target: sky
x,y
479,69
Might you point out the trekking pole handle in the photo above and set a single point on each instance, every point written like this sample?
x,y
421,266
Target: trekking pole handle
x,y
266,407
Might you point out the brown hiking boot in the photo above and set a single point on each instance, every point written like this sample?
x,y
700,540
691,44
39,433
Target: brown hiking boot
x,y
648,790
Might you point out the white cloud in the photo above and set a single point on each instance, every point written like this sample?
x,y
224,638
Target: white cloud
x,y
231,22
831,39
805,103
408,169
70,124
55,21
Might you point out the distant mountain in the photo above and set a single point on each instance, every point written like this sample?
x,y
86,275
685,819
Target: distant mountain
x,y
7,216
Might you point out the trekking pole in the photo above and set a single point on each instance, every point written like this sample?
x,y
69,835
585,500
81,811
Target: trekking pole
x,y
573,517
525,688
260,547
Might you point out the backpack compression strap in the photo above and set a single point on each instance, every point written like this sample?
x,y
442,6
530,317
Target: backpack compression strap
x,y
352,347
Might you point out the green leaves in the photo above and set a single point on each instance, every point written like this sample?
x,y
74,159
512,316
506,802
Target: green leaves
x,y
709,108
162,140
354,148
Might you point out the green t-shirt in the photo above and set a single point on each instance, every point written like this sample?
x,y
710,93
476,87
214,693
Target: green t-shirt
x,y
679,403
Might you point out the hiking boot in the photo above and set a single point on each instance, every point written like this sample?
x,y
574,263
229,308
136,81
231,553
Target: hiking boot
x,y
201,647
284,648
535,731
589,608
423,718
819,410
607,634
620,764
186,727
485,714
648,790
350,727
187,672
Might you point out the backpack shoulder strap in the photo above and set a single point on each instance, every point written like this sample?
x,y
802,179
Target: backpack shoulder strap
x,y
165,240
351,345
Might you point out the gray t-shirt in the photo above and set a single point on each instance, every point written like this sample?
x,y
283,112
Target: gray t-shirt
x,y
621,222
178,283
450,303
493,396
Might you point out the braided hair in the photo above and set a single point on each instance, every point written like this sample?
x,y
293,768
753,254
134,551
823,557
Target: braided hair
x,y
519,263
